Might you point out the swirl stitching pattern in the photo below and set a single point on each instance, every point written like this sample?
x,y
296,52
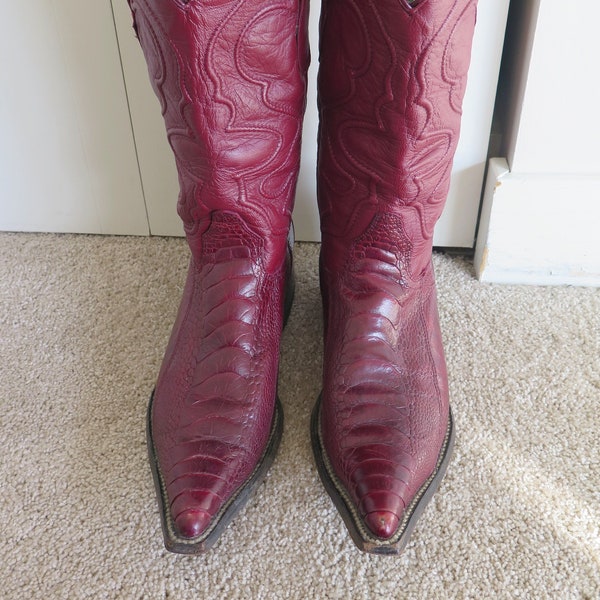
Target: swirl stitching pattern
x,y
388,133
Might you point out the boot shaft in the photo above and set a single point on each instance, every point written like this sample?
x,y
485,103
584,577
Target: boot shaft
x,y
231,79
391,82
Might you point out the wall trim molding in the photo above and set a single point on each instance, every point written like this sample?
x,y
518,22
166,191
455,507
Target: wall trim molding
x,y
539,228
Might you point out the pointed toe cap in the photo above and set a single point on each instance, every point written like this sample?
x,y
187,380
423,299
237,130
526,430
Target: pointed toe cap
x,y
192,523
382,523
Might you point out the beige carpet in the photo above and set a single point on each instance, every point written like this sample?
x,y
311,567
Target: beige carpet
x,y
83,323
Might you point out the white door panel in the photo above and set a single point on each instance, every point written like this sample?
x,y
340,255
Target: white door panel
x,y
67,157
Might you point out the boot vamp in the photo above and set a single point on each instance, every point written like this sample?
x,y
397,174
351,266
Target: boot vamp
x,y
385,402
214,401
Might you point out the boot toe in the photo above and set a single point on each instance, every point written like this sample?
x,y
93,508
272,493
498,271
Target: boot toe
x,y
192,523
383,523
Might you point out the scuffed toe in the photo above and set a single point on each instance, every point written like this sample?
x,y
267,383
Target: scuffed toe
x,y
382,523
192,523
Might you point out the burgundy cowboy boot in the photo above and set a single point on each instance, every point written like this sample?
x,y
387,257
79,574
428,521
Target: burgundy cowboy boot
x,y
391,82
231,79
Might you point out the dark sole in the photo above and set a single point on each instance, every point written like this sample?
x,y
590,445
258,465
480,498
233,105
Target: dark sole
x,y
202,543
359,532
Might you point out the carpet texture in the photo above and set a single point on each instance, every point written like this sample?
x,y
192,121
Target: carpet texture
x,y
83,324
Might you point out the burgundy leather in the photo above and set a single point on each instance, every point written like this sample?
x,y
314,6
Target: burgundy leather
x,y
391,83
231,77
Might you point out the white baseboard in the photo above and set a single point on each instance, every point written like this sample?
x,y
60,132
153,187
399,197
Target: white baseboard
x,y
539,228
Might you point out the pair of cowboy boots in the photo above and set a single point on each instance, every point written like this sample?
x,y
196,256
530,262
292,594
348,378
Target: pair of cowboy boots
x,y
231,79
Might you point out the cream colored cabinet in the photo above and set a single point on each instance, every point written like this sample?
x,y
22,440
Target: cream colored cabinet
x,y
82,133
67,155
